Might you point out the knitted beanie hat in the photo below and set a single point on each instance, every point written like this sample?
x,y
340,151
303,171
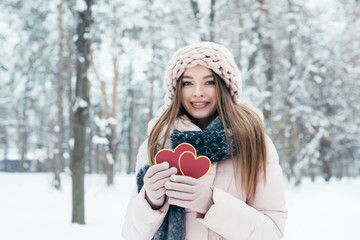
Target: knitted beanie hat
x,y
208,54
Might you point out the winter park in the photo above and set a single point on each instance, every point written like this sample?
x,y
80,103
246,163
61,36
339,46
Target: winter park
x,y
189,119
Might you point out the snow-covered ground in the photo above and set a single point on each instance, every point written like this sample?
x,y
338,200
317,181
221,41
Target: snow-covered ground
x,y
31,209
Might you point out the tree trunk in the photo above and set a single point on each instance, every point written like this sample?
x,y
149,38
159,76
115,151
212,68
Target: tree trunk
x,y
68,78
5,150
196,12
268,55
81,116
23,128
112,138
59,153
111,150
131,165
152,80
212,17
195,8
40,143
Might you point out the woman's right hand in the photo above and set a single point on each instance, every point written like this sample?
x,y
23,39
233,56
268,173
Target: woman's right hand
x,y
154,181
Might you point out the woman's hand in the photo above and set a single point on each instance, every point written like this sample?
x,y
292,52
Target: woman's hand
x,y
188,192
154,181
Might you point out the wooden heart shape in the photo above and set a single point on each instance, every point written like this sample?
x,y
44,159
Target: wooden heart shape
x,y
173,157
193,166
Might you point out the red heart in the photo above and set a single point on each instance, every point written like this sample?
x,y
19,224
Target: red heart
x,y
192,166
172,157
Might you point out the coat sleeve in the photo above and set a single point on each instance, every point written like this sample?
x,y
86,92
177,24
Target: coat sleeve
x,y
141,221
263,217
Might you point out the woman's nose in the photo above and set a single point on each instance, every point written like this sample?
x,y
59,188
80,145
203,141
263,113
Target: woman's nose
x,y
198,91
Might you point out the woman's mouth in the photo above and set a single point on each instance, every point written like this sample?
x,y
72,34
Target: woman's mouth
x,y
199,105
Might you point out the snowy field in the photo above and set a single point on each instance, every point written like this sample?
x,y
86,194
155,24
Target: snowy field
x,y
31,209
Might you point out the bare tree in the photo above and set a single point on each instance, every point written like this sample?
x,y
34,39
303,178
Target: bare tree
x,y
212,17
81,109
108,153
197,17
60,129
23,128
112,136
130,126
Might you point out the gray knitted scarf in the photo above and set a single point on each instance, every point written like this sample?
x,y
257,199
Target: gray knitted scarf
x,y
210,142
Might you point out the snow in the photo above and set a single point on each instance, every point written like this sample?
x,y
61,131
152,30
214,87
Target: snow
x,y
100,140
324,211
110,158
12,154
31,209
79,103
101,123
112,121
40,154
80,6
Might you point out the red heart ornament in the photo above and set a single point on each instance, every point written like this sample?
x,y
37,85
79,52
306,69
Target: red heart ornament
x,y
193,166
173,157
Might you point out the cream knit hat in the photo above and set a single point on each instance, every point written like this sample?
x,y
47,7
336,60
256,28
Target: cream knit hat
x,y
208,54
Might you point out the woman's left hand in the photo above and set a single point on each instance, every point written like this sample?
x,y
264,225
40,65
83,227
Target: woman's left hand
x,y
188,192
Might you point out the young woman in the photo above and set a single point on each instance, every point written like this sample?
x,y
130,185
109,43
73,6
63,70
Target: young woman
x,y
242,195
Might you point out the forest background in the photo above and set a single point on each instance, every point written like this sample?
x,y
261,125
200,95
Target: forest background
x,y
85,77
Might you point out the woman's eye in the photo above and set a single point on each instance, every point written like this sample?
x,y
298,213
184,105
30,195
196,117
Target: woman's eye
x,y
186,83
210,83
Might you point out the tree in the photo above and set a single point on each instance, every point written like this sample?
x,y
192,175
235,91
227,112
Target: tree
x,y
105,139
59,153
81,109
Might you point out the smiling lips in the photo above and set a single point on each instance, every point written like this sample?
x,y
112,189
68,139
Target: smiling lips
x,y
199,105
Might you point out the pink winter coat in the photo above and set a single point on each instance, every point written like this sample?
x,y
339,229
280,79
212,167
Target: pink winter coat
x,y
231,217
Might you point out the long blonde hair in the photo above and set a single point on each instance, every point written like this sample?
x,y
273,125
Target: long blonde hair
x,y
246,127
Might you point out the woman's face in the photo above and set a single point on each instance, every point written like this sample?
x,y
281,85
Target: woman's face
x,y
198,94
